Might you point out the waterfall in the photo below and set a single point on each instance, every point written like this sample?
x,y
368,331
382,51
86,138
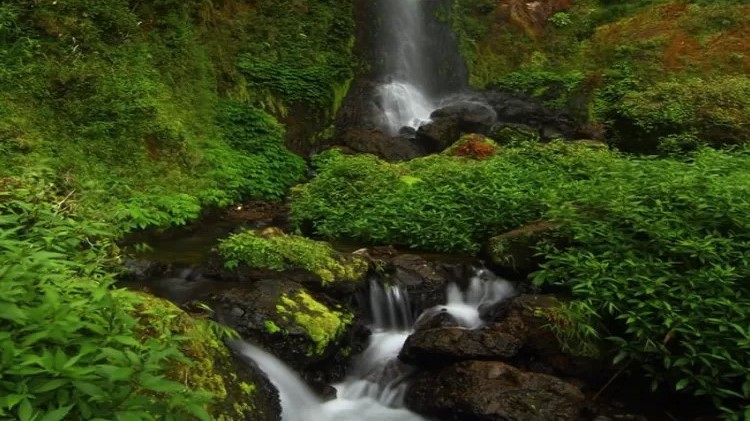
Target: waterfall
x,y
375,387
417,61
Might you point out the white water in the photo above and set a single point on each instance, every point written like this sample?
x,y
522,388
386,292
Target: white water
x,y
484,289
403,100
403,105
376,385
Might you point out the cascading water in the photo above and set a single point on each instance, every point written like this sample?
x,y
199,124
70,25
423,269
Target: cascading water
x,y
417,60
403,99
376,385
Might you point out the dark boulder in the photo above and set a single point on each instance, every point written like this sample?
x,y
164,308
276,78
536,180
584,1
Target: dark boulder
x,y
493,391
425,280
444,345
522,109
529,319
302,329
376,142
439,134
473,116
515,250
435,317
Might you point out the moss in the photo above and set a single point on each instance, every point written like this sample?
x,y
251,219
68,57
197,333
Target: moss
x,y
322,325
271,327
284,252
209,367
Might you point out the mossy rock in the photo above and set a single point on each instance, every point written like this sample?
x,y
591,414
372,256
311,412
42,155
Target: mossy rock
x,y
516,250
242,391
299,327
301,259
474,146
509,134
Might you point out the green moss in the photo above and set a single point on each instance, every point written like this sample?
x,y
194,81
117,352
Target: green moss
x,y
210,366
322,325
283,252
271,327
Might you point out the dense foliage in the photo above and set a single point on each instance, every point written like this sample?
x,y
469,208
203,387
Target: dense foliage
x,y
439,202
657,252
71,348
153,110
620,65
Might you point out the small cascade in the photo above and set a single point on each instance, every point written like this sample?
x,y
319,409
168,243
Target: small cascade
x,y
390,307
377,381
485,289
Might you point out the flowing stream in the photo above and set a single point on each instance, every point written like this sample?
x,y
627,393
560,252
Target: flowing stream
x,y
375,387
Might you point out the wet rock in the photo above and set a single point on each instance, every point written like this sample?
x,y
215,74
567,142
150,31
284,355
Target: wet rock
x,y
528,319
246,393
492,391
139,270
425,281
472,116
516,250
525,110
380,144
300,328
266,405
439,134
443,345
434,318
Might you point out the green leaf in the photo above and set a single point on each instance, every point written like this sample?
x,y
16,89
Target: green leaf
x,y
89,389
9,401
683,383
160,384
58,414
25,411
51,385
12,312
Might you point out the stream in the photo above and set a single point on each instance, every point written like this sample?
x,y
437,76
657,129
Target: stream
x,y
376,384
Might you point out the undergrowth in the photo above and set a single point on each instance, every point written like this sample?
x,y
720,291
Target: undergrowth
x,y
70,345
656,251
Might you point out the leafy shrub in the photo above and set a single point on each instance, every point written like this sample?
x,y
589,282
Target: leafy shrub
x,y
560,19
441,202
71,348
282,252
657,255
659,265
716,110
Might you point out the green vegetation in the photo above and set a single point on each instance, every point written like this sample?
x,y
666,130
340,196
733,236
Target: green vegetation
x,y
621,65
284,252
75,349
456,204
659,263
151,112
322,325
117,116
657,251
